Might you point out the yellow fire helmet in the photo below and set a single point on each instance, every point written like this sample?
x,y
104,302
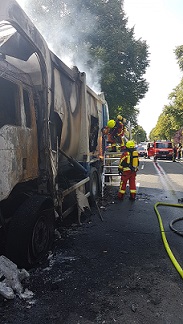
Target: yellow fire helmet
x,y
119,117
111,123
130,144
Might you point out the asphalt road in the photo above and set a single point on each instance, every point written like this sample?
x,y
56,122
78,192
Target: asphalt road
x,y
116,270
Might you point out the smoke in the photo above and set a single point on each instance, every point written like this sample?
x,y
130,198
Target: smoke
x,y
64,29
22,3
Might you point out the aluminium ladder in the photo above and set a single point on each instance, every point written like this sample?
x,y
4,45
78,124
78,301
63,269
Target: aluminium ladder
x,y
110,167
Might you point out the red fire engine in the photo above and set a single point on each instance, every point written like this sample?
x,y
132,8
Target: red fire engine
x,y
160,150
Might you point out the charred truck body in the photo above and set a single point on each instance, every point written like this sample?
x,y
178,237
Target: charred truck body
x,y
50,140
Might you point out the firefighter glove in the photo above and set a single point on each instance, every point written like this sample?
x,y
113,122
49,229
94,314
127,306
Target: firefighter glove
x,y
120,171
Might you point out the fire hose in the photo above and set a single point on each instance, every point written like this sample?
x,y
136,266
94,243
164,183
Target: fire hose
x,y
167,247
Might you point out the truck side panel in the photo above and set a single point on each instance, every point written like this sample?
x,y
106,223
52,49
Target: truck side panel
x,y
67,104
18,137
50,138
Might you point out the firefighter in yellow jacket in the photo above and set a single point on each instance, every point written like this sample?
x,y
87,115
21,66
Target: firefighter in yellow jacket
x,y
128,167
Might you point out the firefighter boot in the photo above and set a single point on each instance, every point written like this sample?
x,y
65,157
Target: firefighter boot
x,y
120,196
132,197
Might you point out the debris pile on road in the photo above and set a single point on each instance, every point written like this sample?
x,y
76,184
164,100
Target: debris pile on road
x,y
110,195
11,278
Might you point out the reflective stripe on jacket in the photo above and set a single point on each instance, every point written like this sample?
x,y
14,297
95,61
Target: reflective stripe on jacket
x,y
124,161
128,160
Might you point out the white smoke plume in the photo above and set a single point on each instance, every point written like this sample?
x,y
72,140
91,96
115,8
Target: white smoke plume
x,y
67,43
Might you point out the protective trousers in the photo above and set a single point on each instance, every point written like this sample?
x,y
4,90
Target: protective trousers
x,y
131,177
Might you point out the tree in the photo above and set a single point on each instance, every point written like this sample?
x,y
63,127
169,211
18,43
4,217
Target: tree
x,y
176,105
179,56
95,32
124,59
165,128
171,119
139,134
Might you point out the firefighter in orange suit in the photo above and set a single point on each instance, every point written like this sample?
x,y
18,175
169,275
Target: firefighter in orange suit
x,y
111,137
120,125
116,131
128,167
120,130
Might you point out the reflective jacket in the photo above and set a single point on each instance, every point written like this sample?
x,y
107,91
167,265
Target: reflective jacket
x,y
129,161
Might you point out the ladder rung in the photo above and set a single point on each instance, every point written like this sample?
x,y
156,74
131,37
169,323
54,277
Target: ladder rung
x,y
112,159
111,174
113,153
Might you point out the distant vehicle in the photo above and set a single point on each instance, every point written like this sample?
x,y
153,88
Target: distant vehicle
x,y
163,150
144,144
150,150
141,151
160,150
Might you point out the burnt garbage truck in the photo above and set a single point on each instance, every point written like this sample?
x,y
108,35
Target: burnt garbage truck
x,y
50,138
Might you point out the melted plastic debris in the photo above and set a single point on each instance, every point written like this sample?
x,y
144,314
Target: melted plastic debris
x,y
10,280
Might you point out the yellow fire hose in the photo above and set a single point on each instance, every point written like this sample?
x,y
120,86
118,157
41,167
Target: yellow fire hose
x,y
167,247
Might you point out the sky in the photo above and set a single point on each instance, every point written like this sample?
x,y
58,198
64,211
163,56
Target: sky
x,y
160,23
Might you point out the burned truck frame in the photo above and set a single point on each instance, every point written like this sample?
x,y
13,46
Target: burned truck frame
x,y
50,139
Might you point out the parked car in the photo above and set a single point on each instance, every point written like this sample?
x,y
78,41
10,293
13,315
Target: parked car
x,y
142,151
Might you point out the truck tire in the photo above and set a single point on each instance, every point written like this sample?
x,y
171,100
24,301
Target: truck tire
x,y
30,232
94,184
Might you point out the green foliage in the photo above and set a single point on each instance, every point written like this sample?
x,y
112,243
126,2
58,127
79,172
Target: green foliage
x,y
139,134
126,113
171,119
176,106
179,56
95,32
165,128
124,61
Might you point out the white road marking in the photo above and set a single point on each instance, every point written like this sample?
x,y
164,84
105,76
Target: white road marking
x,y
137,186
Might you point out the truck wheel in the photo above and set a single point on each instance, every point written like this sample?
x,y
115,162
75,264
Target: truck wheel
x,y
30,232
94,184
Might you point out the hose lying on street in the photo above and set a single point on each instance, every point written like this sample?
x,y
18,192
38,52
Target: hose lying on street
x,y
173,228
167,247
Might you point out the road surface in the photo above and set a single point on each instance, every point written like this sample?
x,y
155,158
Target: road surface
x,y
116,270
